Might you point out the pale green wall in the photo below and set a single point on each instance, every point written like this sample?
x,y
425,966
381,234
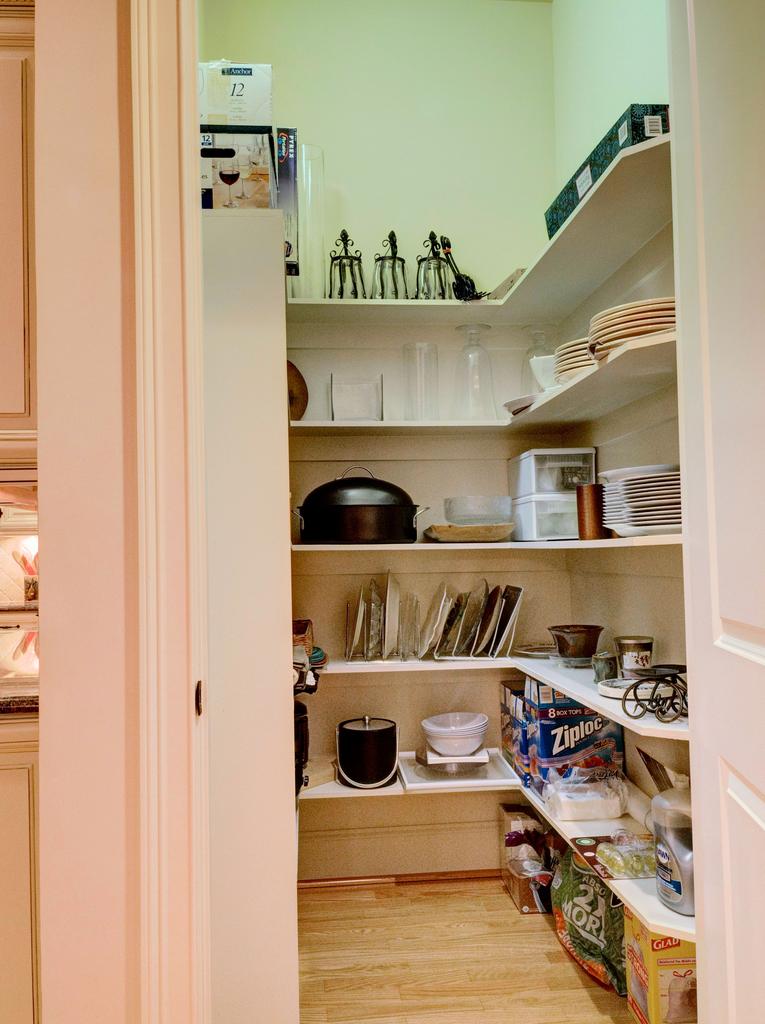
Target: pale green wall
x,y
432,113
606,55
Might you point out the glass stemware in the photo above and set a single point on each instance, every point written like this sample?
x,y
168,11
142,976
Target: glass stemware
x,y
243,161
473,379
228,173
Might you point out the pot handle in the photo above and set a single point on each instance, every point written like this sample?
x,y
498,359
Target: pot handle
x,y
425,508
364,785
297,514
351,468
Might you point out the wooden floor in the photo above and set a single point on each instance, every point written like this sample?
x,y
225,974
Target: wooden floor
x,y
439,953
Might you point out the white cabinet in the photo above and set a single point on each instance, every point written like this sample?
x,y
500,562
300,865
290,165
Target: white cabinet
x,y
17,356
19,957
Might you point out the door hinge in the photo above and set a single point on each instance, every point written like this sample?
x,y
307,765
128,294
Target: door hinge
x,y
198,697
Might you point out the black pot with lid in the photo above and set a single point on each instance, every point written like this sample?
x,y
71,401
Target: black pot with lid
x,y
358,510
367,752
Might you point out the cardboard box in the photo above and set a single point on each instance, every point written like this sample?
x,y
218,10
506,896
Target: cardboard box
x,y
236,93
515,741
661,975
530,893
253,158
640,121
287,194
563,733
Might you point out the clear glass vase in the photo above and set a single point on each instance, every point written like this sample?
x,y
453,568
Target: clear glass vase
x,y
473,380
311,282
421,381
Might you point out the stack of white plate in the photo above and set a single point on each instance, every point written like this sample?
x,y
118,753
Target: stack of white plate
x,y
642,501
572,358
612,327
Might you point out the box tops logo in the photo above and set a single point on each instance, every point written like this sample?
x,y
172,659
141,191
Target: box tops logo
x,y
657,945
242,72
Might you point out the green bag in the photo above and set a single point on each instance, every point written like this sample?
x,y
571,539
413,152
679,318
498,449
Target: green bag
x,y
589,920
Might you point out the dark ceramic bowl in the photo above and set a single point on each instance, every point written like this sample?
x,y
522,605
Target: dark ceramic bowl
x,y
576,641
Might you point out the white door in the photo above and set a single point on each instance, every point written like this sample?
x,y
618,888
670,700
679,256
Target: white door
x,y
718,158
253,845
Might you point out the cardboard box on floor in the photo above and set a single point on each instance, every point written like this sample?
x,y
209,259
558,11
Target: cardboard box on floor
x,y
661,975
530,893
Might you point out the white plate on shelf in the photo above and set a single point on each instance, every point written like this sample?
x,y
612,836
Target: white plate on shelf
x,y
568,346
569,361
626,330
520,404
659,488
392,604
630,530
666,300
636,472
432,619
632,317
653,501
601,349
568,375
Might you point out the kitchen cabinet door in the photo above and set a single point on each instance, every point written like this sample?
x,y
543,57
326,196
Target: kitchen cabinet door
x,y
16,355
718,81
18,881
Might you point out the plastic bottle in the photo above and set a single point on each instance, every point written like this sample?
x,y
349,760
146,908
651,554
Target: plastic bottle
x,y
671,811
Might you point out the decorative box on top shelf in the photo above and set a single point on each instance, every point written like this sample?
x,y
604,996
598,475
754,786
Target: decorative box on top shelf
x,y
639,122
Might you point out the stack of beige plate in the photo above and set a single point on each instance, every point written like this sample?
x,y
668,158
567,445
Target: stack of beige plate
x,y
634,320
572,358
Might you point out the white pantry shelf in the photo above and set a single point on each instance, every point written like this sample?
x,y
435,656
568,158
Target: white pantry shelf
x,y
628,205
580,684
391,428
531,545
393,312
639,894
633,371
343,668
503,779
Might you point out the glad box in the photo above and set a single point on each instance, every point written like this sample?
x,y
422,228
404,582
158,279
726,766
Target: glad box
x,y
563,733
661,975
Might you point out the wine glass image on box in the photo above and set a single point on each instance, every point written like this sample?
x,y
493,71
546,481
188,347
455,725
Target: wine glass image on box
x,y
228,173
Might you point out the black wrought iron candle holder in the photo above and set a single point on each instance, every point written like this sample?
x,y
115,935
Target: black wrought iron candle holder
x,y
389,280
346,276
434,278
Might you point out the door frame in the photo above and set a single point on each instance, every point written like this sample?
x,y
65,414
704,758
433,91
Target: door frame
x,y
124,861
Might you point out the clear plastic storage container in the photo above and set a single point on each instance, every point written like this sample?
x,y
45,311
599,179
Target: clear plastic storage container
x,y
550,471
545,517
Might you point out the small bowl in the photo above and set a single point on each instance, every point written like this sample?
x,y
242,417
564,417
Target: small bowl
x,y
575,641
476,510
457,733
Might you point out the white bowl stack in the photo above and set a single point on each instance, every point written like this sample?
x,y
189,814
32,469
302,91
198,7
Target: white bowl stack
x,y
457,733
642,501
572,358
613,327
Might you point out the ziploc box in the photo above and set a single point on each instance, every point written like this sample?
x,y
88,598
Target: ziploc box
x,y
640,121
236,93
563,733
661,975
515,743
